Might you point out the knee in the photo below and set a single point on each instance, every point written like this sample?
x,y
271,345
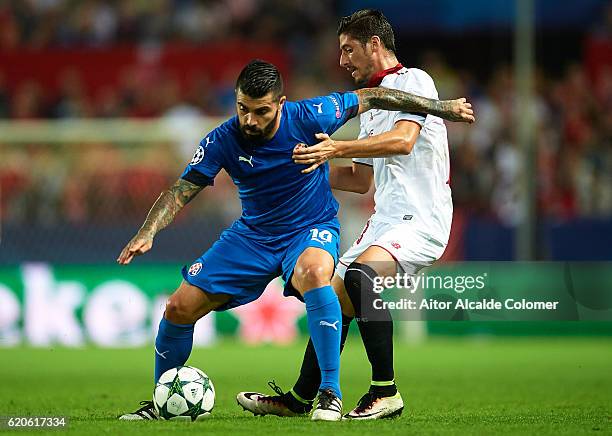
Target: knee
x,y
177,311
311,275
359,278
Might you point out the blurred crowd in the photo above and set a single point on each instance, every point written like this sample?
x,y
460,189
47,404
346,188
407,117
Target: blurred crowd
x,y
572,112
132,98
93,23
572,118
33,25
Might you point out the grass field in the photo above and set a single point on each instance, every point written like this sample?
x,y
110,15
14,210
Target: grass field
x,y
453,386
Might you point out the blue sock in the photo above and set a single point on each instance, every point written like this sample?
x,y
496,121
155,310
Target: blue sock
x,y
172,346
325,325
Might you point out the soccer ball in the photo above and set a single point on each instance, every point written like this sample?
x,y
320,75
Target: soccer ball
x,y
184,393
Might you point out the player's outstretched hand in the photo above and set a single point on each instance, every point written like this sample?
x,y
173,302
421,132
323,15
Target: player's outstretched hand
x,y
139,244
315,155
461,111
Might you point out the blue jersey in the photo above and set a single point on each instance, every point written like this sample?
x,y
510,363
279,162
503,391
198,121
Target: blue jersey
x,y
276,197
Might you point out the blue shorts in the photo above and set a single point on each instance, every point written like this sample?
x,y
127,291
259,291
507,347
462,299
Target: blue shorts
x,y
242,262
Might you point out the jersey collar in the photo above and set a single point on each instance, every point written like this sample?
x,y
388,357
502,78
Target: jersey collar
x,y
377,78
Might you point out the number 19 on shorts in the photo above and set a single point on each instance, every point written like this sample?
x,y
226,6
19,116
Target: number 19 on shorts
x,y
323,236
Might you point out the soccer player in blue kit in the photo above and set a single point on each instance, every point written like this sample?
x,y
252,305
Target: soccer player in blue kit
x,y
288,225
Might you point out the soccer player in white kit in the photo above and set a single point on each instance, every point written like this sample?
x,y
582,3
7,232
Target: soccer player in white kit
x,y
406,154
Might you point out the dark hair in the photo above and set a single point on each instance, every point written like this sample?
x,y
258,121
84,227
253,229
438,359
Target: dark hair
x,y
258,78
364,24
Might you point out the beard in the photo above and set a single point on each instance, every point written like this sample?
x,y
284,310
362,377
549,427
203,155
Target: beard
x,y
362,80
255,134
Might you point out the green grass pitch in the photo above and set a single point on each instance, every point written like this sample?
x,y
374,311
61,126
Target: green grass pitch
x,y
450,386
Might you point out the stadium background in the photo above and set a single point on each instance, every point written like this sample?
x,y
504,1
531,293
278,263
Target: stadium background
x,y
102,103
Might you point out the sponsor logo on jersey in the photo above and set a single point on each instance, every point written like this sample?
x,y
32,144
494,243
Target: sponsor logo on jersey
x,y
337,106
396,245
318,106
198,156
195,269
407,217
244,159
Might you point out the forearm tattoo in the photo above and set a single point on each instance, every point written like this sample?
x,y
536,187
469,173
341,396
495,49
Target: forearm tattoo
x,y
395,100
168,205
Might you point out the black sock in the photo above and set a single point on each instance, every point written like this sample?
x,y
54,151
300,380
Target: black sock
x,y
377,335
307,384
377,339
384,391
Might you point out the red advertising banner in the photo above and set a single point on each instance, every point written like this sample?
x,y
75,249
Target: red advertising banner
x,y
105,67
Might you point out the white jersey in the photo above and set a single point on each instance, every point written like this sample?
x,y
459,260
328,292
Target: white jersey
x,y
412,189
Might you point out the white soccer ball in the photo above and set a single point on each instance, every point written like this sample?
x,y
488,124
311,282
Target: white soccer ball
x,y
184,393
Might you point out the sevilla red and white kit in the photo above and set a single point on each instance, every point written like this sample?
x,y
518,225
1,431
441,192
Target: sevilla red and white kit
x,y
413,204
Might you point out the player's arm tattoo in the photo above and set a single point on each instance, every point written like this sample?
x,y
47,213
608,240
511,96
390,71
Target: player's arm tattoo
x,y
396,100
167,205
